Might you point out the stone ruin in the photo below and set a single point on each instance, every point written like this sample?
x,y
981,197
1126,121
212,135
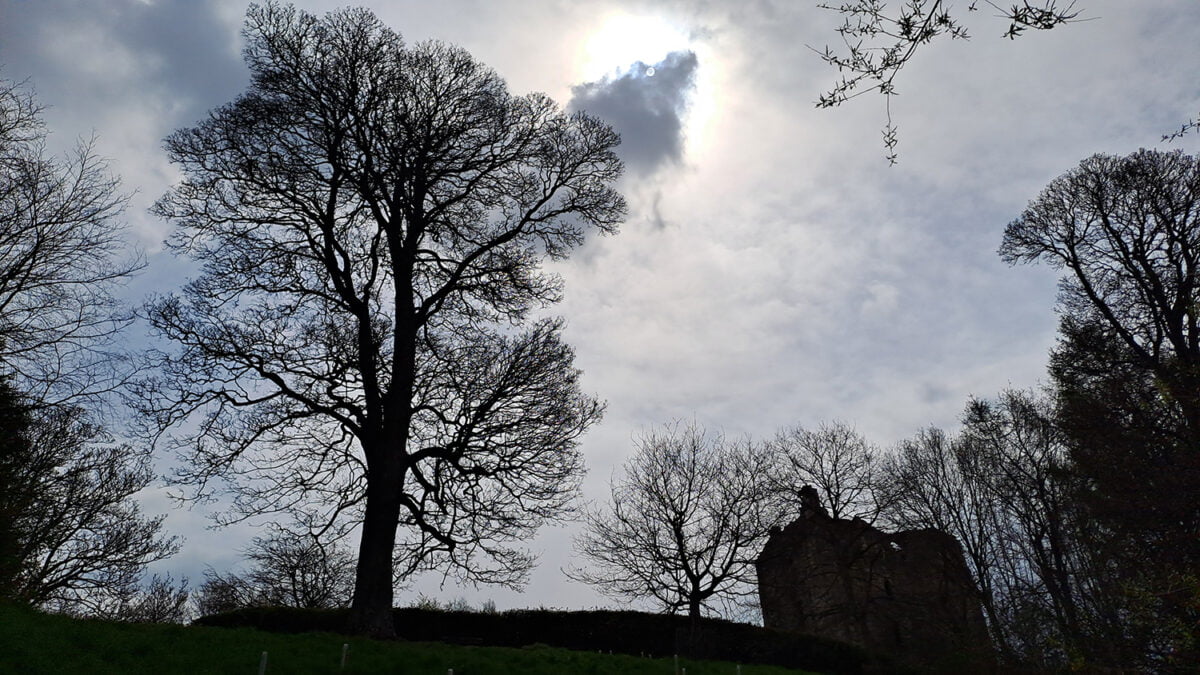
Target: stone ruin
x,y
908,595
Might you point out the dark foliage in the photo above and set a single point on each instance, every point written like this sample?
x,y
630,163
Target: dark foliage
x,y
74,540
635,633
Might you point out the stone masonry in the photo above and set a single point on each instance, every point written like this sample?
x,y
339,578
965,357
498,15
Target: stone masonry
x,y
907,594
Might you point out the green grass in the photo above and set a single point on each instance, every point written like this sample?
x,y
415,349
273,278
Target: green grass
x,y
32,642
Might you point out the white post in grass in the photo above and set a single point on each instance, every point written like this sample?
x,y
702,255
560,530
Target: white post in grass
x,y
676,664
739,669
262,664
345,648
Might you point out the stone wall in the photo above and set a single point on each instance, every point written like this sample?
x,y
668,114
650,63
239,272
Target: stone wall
x,y
907,594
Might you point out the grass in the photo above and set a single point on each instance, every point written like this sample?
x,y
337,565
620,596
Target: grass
x,y
33,642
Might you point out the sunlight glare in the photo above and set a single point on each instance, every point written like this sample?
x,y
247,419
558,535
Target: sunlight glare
x,y
624,39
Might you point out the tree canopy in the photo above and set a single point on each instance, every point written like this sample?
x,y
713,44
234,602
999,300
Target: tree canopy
x,y
687,519
360,347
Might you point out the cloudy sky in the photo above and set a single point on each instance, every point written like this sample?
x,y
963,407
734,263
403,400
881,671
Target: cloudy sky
x,y
774,270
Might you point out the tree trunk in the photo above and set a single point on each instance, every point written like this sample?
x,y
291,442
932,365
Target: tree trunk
x,y
385,450
371,609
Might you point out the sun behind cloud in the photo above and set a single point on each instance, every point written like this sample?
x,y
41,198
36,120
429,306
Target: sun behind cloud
x,y
638,45
623,39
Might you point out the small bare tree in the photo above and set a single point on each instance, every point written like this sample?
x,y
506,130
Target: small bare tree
x,y
288,570
835,460
686,522
157,599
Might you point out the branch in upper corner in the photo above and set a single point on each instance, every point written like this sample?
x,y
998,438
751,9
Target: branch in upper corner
x,y
878,44
1184,129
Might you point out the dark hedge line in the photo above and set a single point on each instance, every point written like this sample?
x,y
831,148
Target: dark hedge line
x,y
619,632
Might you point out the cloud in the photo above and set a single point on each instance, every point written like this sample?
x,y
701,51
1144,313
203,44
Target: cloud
x,y
646,106
183,51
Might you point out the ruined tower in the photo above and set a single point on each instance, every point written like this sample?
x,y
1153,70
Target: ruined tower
x,y
907,594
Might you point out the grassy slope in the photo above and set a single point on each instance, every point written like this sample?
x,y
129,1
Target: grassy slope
x,y
31,642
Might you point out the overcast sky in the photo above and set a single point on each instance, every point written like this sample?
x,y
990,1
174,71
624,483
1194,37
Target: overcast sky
x,y
774,270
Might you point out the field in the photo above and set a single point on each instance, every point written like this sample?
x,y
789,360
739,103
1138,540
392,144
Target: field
x,y
33,642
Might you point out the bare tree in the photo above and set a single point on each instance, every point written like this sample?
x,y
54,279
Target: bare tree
x,y
879,40
74,535
62,256
835,460
371,218
157,599
1005,487
930,482
686,522
288,570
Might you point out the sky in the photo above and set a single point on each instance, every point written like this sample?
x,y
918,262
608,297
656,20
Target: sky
x,y
774,270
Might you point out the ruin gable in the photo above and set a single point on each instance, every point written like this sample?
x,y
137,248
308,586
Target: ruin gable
x,y
907,594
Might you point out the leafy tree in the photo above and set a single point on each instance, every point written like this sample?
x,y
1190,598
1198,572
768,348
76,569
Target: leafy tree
x,y
62,257
836,461
686,523
73,535
1126,232
14,501
371,218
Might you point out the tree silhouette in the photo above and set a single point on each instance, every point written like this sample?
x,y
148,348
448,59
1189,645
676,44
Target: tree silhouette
x,y
833,459
1126,230
371,218
62,256
686,522
287,570
73,537
1126,233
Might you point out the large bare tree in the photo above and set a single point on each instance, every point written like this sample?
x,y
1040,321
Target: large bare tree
x,y
686,523
371,218
1125,231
